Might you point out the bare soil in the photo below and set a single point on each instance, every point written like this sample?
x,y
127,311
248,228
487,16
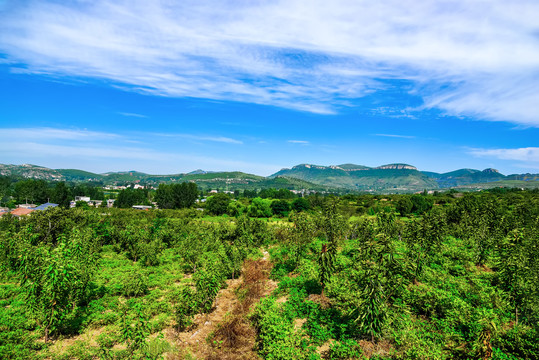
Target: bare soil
x,y
226,333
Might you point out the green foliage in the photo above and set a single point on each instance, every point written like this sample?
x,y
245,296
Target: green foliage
x,y
185,307
135,331
236,208
280,207
276,336
420,203
347,349
176,196
207,283
259,208
129,197
218,204
459,281
61,195
404,206
55,280
31,190
333,227
135,284
300,204
517,264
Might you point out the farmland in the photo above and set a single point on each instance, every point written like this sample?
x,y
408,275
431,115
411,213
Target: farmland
x,y
351,277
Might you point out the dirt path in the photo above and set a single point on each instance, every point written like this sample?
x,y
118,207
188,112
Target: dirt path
x,y
226,333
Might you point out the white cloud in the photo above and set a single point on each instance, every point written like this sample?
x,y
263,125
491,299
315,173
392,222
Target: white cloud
x,y
476,58
132,115
528,154
396,136
301,142
221,139
92,158
46,133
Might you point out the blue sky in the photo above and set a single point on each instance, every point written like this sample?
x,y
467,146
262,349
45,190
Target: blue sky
x,y
169,87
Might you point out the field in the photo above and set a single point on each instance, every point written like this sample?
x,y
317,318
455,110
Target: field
x,y
354,277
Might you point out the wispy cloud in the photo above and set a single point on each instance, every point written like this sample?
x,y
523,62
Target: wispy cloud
x,y
143,157
101,151
46,133
301,142
466,58
527,154
221,139
396,136
132,115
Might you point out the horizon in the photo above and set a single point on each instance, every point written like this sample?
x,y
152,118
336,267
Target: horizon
x,y
288,168
232,86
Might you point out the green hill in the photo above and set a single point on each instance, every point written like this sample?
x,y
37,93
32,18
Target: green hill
x,y
391,177
30,171
79,175
465,177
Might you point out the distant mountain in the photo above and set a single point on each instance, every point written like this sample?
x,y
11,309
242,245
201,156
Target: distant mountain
x,y
30,171
351,177
394,177
466,177
231,180
79,175
524,177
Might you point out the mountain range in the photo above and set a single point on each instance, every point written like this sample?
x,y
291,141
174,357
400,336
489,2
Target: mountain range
x,y
349,177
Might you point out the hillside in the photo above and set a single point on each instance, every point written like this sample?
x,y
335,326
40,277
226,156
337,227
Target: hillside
x,y
391,177
30,171
79,175
466,177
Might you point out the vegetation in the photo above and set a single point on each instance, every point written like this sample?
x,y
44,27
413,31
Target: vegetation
x,y
392,178
442,276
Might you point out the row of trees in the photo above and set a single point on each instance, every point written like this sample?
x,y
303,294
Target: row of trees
x,y
176,196
13,191
220,204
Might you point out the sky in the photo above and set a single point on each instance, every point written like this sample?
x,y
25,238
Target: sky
x,y
168,87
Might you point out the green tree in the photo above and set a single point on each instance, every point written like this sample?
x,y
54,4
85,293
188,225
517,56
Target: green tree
x,y
55,279
129,197
517,270
301,204
164,197
332,226
424,238
5,184
218,204
235,208
421,203
301,235
35,191
61,195
185,194
280,207
259,208
404,205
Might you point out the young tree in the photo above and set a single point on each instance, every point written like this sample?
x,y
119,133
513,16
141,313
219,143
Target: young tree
x,y
55,279
332,226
